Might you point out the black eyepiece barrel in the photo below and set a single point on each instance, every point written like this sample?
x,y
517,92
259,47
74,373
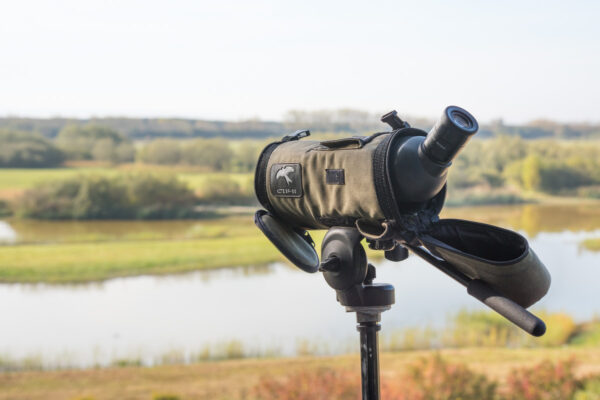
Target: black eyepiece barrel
x,y
452,131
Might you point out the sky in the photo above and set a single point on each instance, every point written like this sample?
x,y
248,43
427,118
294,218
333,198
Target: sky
x,y
516,60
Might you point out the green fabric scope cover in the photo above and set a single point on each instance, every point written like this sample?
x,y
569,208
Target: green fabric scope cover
x,y
500,257
320,184
345,182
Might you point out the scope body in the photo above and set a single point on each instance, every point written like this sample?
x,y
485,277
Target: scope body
x,y
382,177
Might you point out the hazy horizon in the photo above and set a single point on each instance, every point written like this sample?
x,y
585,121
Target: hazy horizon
x,y
235,60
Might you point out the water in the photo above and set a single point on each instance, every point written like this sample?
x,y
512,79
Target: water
x,y
7,233
268,308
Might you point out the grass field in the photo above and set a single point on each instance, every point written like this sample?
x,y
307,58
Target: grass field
x,y
235,379
77,256
221,243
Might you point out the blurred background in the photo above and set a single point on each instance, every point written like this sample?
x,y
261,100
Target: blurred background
x,y
129,263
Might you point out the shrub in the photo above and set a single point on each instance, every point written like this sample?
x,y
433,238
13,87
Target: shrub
x,y
433,378
481,328
139,196
27,150
545,381
561,329
319,384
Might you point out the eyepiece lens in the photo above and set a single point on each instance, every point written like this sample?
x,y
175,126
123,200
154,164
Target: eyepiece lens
x,y
449,135
461,120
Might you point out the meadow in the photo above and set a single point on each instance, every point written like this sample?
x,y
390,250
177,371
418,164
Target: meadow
x,y
454,376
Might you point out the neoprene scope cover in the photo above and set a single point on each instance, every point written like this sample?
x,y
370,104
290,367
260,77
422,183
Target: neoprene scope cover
x,y
500,257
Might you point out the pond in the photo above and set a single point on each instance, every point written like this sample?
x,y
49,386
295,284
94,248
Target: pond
x,y
274,308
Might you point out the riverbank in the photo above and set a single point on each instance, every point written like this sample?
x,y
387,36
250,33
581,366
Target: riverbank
x,y
86,251
87,257
235,379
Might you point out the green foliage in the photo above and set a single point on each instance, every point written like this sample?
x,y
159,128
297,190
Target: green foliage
x,y
27,150
161,151
215,154
212,154
591,244
590,390
543,165
94,142
530,173
134,196
592,192
225,191
481,328
587,334
125,362
246,156
489,329
5,209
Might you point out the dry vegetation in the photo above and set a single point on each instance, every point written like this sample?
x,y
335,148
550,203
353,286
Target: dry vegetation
x,y
247,379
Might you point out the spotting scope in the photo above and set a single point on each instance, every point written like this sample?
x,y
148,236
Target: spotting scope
x,y
389,188
362,181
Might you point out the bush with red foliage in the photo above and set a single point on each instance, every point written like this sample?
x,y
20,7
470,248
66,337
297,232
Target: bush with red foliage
x,y
545,381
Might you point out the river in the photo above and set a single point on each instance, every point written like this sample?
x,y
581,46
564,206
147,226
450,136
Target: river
x,y
274,308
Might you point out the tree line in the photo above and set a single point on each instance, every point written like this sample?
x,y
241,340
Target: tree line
x,y
550,166
20,149
348,121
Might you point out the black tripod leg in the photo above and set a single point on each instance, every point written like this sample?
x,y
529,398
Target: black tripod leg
x,y
369,359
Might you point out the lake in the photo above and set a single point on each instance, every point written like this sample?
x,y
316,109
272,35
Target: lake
x,y
274,308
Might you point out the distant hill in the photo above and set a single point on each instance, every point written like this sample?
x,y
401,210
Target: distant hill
x,y
344,120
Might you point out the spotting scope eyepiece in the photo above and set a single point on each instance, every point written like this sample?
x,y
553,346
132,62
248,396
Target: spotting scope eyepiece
x,y
419,164
449,135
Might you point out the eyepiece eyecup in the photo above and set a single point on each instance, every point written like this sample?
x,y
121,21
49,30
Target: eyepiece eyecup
x,y
452,131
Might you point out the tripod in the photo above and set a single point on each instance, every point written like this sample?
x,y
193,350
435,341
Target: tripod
x,y
346,270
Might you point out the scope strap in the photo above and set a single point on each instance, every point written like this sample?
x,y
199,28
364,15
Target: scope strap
x,y
382,180
260,176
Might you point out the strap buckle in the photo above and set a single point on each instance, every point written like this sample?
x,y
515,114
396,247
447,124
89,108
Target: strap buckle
x,y
299,134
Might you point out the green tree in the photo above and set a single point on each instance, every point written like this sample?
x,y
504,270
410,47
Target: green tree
x,y
161,151
135,196
79,141
27,150
531,173
215,154
246,156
